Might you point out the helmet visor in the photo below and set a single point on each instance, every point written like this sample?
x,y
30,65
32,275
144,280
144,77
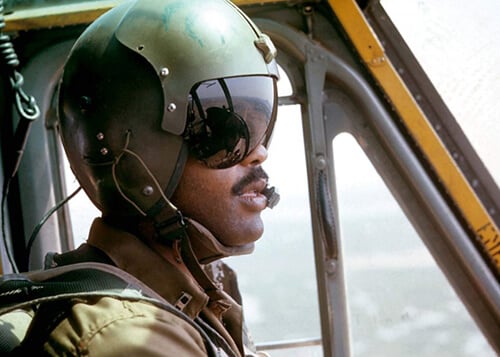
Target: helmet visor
x,y
230,117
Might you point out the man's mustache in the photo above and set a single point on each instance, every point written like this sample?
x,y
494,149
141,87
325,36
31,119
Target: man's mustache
x,y
255,174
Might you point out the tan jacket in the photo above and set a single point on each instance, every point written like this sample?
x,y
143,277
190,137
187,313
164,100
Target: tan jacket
x,y
113,327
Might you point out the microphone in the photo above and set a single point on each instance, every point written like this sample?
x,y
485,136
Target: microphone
x,y
272,196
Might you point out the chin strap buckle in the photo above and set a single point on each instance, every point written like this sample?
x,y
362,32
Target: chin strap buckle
x,y
172,228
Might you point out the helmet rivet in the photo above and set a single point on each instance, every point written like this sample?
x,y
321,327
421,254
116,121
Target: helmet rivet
x,y
147,191
164,72
171,107
104,151
100,136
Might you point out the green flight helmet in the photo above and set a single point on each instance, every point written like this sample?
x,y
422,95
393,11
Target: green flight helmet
x,y
126,93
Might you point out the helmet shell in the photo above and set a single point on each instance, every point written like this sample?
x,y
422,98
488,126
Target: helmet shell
x,y
123,96
190,41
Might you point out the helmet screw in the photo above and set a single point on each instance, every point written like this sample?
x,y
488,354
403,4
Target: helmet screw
x,y
100,136
104,151
147,191
164,72
171,107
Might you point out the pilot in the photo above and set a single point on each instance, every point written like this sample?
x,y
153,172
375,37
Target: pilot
x,y
166,108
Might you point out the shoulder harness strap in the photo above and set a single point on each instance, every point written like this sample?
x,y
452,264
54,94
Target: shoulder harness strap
x,y
31,289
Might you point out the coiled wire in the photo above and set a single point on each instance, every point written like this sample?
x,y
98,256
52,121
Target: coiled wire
x,y
6,48
25,104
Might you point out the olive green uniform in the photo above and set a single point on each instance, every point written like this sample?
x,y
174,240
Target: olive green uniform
x,y
113,327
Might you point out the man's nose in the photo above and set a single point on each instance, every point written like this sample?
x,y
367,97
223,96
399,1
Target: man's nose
x,y
256,157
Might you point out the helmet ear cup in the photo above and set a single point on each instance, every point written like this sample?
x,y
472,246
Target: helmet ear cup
x,y
110,109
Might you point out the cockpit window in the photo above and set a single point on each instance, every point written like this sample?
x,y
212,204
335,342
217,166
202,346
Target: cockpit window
x,y
400,303
457,46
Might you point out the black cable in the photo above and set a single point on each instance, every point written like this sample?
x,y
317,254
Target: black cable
x,y
5,192
44,219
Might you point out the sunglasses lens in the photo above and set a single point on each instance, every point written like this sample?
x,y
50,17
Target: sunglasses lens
x,y
230,117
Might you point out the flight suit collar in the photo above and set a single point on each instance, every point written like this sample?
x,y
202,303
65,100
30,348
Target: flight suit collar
x,y
130,254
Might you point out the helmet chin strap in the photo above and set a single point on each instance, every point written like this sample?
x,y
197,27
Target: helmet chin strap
x,y
171,226
196,270
208,248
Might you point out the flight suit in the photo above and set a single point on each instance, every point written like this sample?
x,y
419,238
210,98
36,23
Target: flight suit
x,y
209,321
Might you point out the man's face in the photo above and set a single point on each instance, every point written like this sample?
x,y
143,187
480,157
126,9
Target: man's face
x,y
228,202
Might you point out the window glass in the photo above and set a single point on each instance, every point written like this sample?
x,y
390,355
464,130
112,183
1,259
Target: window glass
x,y
82,211
400,304
457,44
